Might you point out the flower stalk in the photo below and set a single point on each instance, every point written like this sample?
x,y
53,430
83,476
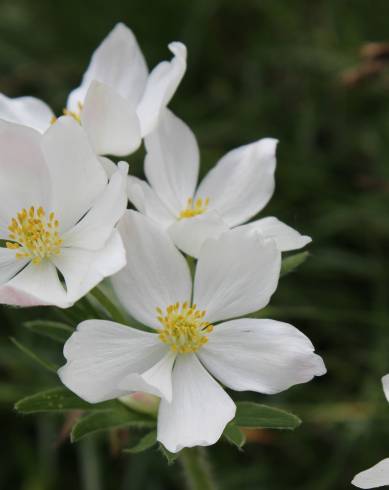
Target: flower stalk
x,y
108,305
197,469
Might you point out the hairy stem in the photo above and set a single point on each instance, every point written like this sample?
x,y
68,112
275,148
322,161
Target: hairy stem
x,y
109,305
197,469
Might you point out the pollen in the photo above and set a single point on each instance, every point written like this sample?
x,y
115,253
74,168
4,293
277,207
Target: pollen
x,y
183,327
76,115
34,235
194,208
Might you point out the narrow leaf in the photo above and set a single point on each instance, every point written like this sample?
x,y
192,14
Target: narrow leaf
x,y
57,400
111,419
249,414
35,357
146,442
289,264
105,302
170,457
57,331
234,435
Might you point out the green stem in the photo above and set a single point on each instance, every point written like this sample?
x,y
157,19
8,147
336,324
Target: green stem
x,y
197,469
191,261
90,467
108,305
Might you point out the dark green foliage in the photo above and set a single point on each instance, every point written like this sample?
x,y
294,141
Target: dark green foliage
x,y
234,435
34,356
249,414
118,417
57,331
59,400
147,441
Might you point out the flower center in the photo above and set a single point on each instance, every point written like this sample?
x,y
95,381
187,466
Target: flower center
x,y
33,235
183,328
76,115
194,208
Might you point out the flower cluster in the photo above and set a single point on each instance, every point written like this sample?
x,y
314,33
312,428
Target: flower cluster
x,y
64,227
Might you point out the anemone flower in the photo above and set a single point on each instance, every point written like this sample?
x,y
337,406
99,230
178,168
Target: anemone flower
x,y
57,215
190,345
235,190
118,101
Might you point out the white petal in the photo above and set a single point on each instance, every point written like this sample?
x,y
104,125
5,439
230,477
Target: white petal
x,y
236,274
15,297
260,355
84,269
24,178
9,265
4,223
199,411
117,62
110,121
147,202
108,260
77,176
35,285
28,111
101,353
385,385
172,162
376,476
242,182
157,380
190,234
108,165
96,226
160,88
156,274
285,237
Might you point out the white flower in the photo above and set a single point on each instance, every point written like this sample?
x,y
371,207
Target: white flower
x,y
378,475
117,102
236,274
57,215
235,190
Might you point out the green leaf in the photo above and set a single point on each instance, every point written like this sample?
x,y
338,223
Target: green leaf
x,y
234,435
57,331
289,264
110,419
35,357
249,414
9,392
146,442
102,298
170,457
108,305
56,400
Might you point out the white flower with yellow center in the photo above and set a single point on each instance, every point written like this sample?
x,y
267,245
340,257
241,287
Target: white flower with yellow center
x,y
377,475
191,345
235,190
118,101
57,215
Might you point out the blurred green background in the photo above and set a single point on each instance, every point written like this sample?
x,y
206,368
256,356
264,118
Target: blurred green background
x,y
290,69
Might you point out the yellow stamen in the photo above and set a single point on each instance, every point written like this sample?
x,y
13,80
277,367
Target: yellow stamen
x,y
194,208
183,327
76,115
33,236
